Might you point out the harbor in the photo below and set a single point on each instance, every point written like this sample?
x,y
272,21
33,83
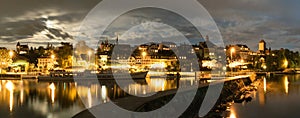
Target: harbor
x,y
234,101
145,59
51,95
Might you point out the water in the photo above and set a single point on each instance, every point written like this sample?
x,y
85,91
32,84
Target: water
x,y
30,98
276,97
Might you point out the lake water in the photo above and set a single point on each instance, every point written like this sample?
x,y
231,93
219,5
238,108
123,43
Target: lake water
x,y
276,97
30,98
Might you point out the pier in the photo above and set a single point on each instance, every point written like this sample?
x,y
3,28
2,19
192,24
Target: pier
x,y
18,76
10,76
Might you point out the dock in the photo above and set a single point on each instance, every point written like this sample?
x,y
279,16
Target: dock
x,y
17,76
10,76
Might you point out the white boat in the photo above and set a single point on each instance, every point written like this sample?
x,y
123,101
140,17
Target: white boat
x,y
71,76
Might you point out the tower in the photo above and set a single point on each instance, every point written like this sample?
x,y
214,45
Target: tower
x,y
262,46
117,40
106,41
207,38
18,47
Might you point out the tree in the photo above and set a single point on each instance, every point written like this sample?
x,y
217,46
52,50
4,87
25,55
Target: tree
x,y
5,59
64,55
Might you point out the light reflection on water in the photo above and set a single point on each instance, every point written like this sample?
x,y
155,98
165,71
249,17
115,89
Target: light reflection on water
x,y
19,98
276,96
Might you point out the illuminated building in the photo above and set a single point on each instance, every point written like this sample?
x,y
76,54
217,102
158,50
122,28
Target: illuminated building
x,y
46,63
262,46
22,49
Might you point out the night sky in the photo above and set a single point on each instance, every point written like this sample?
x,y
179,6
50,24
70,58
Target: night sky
x,y
240,21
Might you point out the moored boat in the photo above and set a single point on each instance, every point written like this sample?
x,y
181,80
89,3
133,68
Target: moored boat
x,y
71,76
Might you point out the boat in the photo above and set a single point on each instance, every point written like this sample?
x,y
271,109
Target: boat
x,y
288,71
134,75
87,75
173,76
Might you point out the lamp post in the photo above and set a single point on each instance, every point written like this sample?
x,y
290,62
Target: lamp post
x,y
285,63
89,53
232,50
53,57
11,54
144,54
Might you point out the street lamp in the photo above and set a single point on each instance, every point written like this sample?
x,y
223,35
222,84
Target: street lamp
x,y
264,67
89,53
232,50
285,63
52,56
144,54
11,54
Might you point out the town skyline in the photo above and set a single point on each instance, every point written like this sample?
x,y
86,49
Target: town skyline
x,y
112,41
149,58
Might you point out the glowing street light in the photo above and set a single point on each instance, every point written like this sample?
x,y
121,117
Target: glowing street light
x,y
285,63
52,56
53,60
232,50
11,53
242,61
144,54
264,67
89,53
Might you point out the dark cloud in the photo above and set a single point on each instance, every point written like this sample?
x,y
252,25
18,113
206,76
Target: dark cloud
x,y
22,29
27,19
240,21
14,8
139,16
247,21
27,28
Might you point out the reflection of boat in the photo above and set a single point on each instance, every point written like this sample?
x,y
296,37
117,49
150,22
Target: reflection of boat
x,y
70,76
166,75
287,71
173,76
134,75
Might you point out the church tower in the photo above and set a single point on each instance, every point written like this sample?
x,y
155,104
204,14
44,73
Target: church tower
x,y
18,47
117,40
262,46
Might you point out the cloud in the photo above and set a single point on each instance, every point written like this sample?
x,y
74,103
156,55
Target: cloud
x,y
29,28
242,21
149,24
248,21
152,32
29,20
